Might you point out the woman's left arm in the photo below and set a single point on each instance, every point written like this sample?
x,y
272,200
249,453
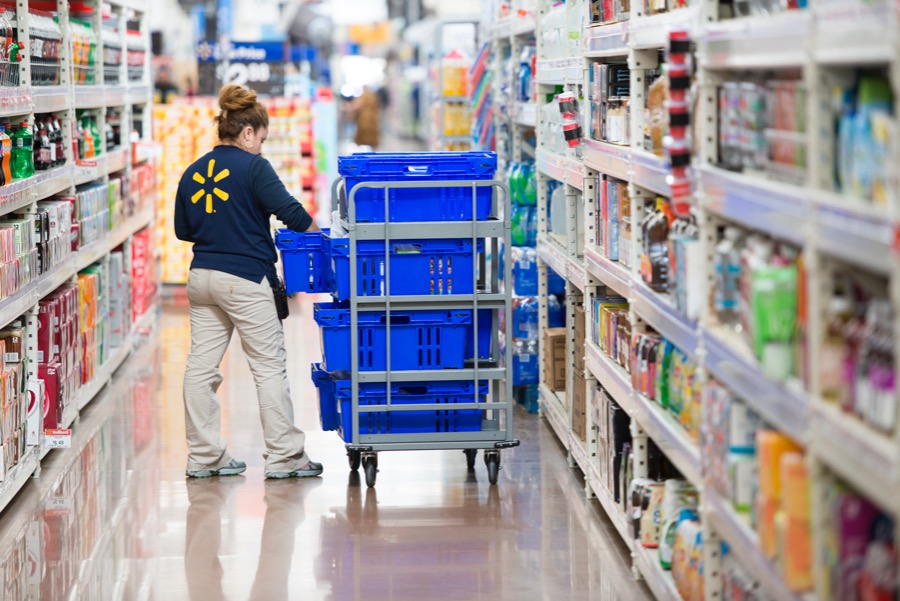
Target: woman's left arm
x,y
273,197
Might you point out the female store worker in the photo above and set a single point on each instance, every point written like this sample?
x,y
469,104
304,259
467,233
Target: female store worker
x,y
223,206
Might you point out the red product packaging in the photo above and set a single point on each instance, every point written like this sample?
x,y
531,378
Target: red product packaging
x,y
73,237
47,328
53,407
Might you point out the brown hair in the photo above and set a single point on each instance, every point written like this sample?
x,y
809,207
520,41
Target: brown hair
x,y
239,109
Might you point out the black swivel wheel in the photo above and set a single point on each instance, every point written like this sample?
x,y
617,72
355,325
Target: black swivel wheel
x,y
370,465
492,461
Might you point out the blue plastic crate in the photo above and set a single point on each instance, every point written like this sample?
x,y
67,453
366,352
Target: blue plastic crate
x,y
486,327
419,339
336,399
328,413
419,204
305,256
417,267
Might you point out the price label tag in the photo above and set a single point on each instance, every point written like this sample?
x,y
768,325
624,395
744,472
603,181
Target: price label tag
x,y
58,506
58,438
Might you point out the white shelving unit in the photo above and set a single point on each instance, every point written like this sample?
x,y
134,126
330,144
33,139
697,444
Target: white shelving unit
x,y
830,35
25,102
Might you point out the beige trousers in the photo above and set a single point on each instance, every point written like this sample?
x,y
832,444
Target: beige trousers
x,y
221,303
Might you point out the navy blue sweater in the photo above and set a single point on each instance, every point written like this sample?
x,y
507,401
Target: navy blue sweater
x,y
224,205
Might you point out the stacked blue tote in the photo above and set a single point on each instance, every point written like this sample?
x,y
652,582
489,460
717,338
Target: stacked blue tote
x,y
422,339
523,255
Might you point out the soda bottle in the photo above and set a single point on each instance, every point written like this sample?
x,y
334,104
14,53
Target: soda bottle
x,y
59,142
98,147
36,148
110,136
6,147
3,180
51,140
23,154
42,153
77,140
87,137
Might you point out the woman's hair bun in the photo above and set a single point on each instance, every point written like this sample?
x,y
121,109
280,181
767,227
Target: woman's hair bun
x,y
239,109
234,98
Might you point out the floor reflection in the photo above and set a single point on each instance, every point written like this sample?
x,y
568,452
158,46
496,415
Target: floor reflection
x,y
114,518
77,531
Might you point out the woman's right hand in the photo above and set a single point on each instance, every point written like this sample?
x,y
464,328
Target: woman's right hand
x,y
314,227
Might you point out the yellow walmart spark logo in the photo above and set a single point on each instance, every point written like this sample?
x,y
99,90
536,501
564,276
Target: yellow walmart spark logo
x,y
202,181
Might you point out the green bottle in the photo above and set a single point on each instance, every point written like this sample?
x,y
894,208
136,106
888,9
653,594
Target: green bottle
x,y
98,144
22,152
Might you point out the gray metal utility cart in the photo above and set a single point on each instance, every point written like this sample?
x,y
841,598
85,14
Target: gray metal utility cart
x,y
484,381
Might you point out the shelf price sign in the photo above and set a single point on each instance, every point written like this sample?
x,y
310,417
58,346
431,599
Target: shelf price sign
x,y
256,65
57,438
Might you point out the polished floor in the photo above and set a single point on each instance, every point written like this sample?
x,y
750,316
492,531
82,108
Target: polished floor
x,y
114,517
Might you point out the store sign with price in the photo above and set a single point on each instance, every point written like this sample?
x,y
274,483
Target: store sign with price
x,y
256,65
57,438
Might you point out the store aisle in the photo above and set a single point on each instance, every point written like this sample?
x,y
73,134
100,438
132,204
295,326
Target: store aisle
x,y
114,517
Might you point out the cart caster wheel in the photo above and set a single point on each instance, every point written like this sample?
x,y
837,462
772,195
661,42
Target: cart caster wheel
x,y
370,465
492,461
471,454
354,458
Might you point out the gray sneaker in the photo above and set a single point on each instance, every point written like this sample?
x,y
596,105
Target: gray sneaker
x,y
232,468
307,471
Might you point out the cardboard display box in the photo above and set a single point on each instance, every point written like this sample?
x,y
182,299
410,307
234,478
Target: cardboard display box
x,y
579,408
555,368
579,339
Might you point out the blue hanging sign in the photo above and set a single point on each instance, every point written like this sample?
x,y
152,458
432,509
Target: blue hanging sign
x,y
242,52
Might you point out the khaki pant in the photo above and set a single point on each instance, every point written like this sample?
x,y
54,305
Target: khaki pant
x,y
221,303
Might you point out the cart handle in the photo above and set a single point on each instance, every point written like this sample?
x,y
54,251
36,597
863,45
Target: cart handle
x,y
419,170
401,320
413,390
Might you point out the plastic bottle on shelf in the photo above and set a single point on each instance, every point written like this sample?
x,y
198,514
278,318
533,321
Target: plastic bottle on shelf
x,y
110,136
6,147
58,143
515,183
86,135
558,211
23,154
5,42
556,312
454,68
833,382
525,89
655,262
529,185
95,131
4,153
728,275
41,153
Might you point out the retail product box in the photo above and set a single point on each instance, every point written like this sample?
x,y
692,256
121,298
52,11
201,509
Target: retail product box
x,y
52,376
47,317
13,337
579,339
36,409
555,368
579,409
